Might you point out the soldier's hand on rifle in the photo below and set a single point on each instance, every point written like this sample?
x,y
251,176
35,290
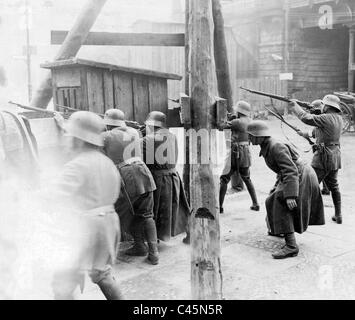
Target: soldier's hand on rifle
x,y
301,133
59,120
292,104
291,204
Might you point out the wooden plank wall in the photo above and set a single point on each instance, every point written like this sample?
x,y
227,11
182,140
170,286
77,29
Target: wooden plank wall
x,y
136,95
123,94
164,59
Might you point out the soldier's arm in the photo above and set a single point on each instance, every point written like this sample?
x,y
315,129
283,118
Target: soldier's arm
x,y
305,117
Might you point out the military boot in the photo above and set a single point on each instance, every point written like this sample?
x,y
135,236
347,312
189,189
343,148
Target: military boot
x,y
152,239
139,248
110,289
251,190
337,205
290,249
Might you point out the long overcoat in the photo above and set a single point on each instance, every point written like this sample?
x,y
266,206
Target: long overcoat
x,y
123,146
295,180
171,208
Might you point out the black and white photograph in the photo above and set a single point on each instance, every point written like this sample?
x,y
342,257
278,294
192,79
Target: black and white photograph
x,y
192,152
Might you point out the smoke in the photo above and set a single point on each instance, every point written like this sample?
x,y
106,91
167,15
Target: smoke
x,y
37,236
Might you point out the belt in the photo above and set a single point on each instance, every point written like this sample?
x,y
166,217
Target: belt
x,y
129,161
101,211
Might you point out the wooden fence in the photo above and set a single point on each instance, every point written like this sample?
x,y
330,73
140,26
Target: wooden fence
x,y
271,85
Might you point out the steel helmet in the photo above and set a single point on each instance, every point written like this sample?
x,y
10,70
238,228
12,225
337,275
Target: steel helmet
x,y
86,126
156,119
243,107
258,128
332,101
114,118
317,104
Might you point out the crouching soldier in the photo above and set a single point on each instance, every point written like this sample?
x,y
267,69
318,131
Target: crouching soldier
x,y
136,202
160,152
327,157
239,157
296,201
85,192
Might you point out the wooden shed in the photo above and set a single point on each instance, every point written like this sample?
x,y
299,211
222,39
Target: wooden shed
x,y
95,86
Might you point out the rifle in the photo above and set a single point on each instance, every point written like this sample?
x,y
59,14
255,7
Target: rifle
x,y
132,124
303,104
32,108
281,118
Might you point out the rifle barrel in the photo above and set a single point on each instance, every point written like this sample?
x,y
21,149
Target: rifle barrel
x,y
31,108
273,96
288,124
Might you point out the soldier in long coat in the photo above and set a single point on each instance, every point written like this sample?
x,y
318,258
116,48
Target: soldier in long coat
x,y
327,157
160,152
136,201
85,193
295,201
239,157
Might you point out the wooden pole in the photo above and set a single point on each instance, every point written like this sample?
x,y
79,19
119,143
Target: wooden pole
x,y
221,56
225,89
186,171
76,37
351,58
205,232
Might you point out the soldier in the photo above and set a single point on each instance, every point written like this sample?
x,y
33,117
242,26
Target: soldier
x,y
327,157
317,108
160,151
122,145
239,158
86,191
295,201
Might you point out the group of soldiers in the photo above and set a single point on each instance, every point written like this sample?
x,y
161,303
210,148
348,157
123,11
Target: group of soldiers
x,y
119,181
295,201
122,182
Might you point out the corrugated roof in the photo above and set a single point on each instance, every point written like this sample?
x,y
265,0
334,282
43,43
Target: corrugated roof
x,y
89,63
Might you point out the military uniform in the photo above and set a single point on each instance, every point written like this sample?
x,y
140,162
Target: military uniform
x,y
171,209
238,160
295,180
327,157
136,201
87,189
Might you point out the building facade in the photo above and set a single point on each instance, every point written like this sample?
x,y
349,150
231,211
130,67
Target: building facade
x,y
305,46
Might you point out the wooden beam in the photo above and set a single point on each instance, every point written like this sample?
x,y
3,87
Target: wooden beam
x,y
125,39
186,170
221,56
204,229
70,47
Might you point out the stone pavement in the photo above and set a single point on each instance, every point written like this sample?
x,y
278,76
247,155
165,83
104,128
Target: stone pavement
x,y
324,269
